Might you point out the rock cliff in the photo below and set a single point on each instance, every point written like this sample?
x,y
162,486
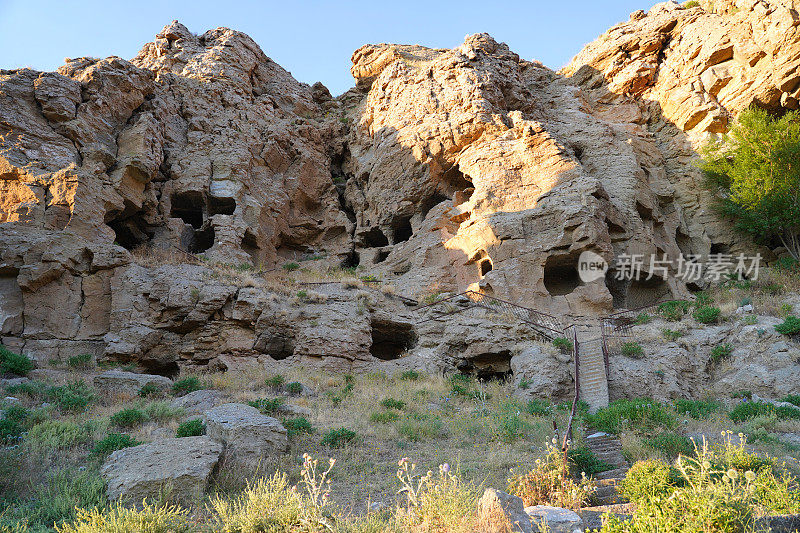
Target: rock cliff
x,y
441,170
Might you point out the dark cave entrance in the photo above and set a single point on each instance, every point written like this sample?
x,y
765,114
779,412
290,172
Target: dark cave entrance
x,y
488,366
401,229
560,276
201,240
189,207
486,266
375,238
643,292
131,232
221,206
391,339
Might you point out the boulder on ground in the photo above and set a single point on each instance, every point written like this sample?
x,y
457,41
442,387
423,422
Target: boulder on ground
x,y
497,509
178,467
198,402
248,435
129,383
558,520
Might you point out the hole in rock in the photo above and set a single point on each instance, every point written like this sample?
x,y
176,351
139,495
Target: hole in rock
x,y
202,240
188,206
401,229
560,276
160,368
131,232
489,366
390,339
431,202
381,256
221,206
617,288
486,266
250,245
683,241
375,238
717,248
644,292
454,180
645,212
352,260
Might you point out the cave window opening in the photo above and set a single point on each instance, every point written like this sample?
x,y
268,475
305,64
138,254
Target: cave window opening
x,y
188,206
131,232
352,260
381,256
202,240
431,202
168,370
560,278
486,266
375,238
221,206
250,245
645,212
642,292
402,230
490,366
391,339
455,180
719,248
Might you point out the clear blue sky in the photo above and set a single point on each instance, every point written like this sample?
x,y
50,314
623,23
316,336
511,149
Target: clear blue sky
x,y
313,40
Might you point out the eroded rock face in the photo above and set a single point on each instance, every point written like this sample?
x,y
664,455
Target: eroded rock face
x,y
248,436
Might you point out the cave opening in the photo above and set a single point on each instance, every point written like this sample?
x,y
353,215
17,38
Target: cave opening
x,y
381,256
401,229
169,370
454,180
431,202
375,238
391,339
131,232
351,260
486,266
488,366
250,245
221,206
560,276
188,206
201,240
642,292
617,288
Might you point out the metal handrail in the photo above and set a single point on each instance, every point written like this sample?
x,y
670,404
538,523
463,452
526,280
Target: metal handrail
x,y
576,399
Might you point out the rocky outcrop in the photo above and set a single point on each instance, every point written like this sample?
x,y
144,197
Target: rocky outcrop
x,y
179,468
248,436
129,383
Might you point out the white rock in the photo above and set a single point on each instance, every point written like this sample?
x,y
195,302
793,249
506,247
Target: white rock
x,y
558,520
495,501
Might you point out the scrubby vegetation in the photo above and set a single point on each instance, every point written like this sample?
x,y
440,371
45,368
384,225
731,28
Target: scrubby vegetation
x,y
14,363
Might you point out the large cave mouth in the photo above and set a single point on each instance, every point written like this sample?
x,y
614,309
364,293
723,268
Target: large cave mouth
x,y
189,207
401,229
201,240
375,238
131,232
489,366
391,339
560,276
642,292
167,369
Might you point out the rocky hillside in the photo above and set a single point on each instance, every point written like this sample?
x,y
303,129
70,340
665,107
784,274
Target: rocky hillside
x,y
440,171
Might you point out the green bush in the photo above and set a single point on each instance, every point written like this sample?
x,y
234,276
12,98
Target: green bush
x,y
14,363
191,428
294,388
149,389
337,438
643,414
112,443
391,403
690,4
790,326
82,361
747,410
670,444
291,267
642,318
706,314
791,398
671,335
128,418
537,407
509,426
383,417
74,397
647,480
296,426
58,434
673,310
584,460
419,427
410,375
120,519
162,411
698,409
32,389
563,344
720,352
275,382
268,406
10,431
17,413
633,350
186,385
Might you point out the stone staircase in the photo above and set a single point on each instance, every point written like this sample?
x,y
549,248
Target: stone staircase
x,y
592,368
608,449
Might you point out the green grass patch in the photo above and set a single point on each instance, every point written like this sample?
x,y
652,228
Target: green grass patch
x,y
338,438
633,350
391,403
267,406
113,442
720,352
14,363
706,314
790,326
191,428
670,444
296,426
129,418
697,409
187,385
642,414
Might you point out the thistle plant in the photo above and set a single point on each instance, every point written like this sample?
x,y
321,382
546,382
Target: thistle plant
x,y
315,481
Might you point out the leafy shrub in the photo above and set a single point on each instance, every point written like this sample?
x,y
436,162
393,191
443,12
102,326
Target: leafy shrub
x,y
275,382
10,431
644,414
383,417
670,444
690,4
32,389
14,363
563,344
792,398
410,375
642,318
547,483
537,407
57,434
294,388
786,310
82,361
509,426
191,428
418,427
267,406
75,396
150,519
585,461
128,418
790,326
56,500
162,411
17,413
149,389
706,314
302,294
649,479
673,310
633,350
721,352
747,410
291,267
186,385
297,425
671,335
698,409
337,438
112,443
742,394
391,403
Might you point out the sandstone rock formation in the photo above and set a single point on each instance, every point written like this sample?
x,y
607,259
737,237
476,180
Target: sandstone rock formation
x,y
126,186
248,436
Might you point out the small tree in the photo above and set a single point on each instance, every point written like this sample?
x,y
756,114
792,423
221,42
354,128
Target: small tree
x,y
755,168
